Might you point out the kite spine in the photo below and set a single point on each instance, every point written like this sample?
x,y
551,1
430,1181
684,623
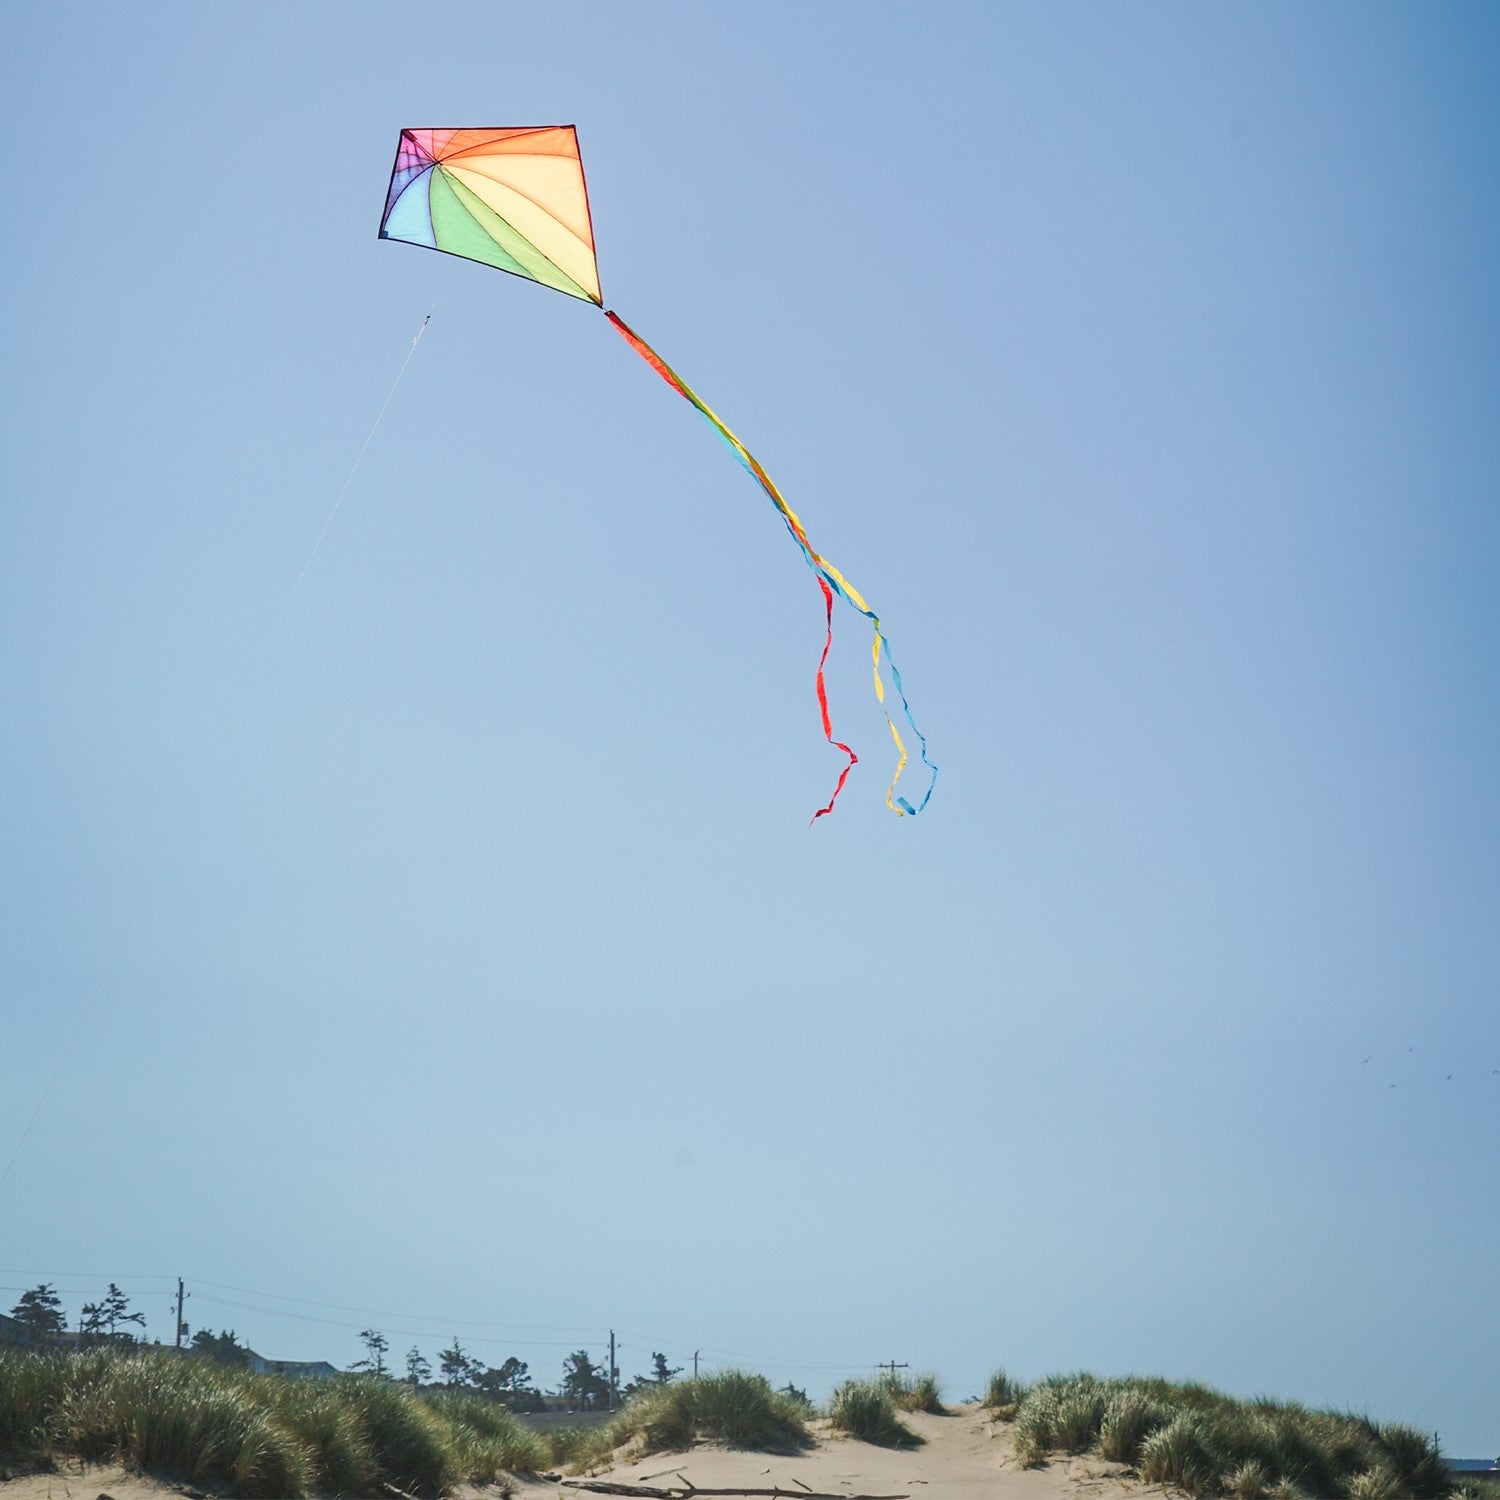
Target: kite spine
x,y
829,579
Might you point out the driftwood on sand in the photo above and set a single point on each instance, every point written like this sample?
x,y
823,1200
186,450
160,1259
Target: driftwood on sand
x,y
689,1491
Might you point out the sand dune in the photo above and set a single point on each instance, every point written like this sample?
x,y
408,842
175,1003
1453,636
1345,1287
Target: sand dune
x,y
965,1457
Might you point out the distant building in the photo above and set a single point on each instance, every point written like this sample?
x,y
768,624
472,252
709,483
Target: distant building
x,y
1477,1471
293,1369
19,1335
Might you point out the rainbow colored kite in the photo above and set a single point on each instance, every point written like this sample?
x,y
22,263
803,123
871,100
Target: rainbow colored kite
x,y
514,197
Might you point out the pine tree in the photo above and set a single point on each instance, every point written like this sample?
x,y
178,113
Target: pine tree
x,y
105,1316
39,1312
417,1368
458,1368
376,1346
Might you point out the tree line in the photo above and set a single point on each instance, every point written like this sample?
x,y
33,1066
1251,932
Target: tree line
x,y
585,1385
40,1316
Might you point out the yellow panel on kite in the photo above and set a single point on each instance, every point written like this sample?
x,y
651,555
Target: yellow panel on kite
x,y
512,197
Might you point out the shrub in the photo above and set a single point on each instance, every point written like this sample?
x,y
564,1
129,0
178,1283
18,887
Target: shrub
x,y
863,1409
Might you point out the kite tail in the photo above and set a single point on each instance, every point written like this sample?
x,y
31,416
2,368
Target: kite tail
x,y
829,578
823,706
901,804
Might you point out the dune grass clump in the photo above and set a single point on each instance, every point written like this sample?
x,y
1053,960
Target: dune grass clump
x,y
31,1388
416,1449
863,1409
1003,1395
158,1413
921,1393
254,1435
1036,1425
730,1406
1130,1417
1197,1440
1248,1481
1289,1441
1374,1484
577,1449
1413,1461
332,1431
488,1439
1079,1414
1182,1455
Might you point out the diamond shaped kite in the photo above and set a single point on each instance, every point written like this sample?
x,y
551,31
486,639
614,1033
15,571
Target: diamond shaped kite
x,y
514,197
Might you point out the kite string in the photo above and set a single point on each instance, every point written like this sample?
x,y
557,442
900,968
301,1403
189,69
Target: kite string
x,y
148,885
827,574
359,458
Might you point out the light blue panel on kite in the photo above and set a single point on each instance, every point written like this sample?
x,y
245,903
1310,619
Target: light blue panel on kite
x,y
410,219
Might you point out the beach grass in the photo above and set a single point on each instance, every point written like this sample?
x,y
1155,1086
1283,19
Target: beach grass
x,y
1004,1394
1198,1441
864,1409
920,1393
730,1406
256,1435
266,1435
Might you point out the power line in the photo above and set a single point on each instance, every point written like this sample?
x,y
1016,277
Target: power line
x,y
415,1333
370,1312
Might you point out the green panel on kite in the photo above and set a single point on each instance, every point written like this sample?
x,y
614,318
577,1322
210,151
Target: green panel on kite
x,y
496,231
455,231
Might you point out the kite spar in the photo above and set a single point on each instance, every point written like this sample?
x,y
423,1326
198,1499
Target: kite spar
x,y
514,197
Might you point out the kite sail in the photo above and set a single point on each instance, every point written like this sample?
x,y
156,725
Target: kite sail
x,y
514,197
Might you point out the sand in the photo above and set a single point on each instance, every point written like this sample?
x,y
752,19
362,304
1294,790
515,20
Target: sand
x,y
965,1457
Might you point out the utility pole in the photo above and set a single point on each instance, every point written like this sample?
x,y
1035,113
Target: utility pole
x,y
892,1366
181,1326
695,1366
613,1372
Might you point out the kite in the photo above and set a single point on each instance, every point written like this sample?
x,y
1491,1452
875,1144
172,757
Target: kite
x,y
514,197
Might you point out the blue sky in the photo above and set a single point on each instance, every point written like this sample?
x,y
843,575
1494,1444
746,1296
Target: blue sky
x,y
1138,362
